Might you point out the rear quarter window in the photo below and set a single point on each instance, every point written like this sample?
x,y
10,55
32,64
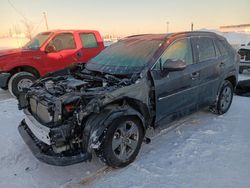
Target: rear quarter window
x,y
88,40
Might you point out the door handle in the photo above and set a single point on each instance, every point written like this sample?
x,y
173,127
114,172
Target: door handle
x,y
79,54
195,75
222,64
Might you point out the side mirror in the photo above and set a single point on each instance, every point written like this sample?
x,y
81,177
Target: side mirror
x,y
50,48
170,65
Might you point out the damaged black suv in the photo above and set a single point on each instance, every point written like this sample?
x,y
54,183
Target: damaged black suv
x,y
139,82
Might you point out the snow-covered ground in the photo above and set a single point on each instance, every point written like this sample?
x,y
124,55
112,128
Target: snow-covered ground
x,y
202,150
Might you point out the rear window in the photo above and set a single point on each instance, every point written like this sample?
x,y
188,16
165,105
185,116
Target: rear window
x,y
88,40
205,48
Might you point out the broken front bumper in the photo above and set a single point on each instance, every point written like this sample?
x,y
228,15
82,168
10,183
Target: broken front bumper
x,y
43,151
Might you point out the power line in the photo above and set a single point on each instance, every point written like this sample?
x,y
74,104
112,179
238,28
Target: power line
x,y
18,11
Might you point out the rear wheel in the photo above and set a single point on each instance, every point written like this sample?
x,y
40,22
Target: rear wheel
x,y
122,142
225,98
19,81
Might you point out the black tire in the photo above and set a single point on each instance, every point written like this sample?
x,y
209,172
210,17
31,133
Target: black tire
x,y
224,99
240,71
15,82
111,156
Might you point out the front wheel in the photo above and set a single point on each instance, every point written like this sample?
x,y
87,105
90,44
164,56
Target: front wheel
x,y
19,81
225,98
122,142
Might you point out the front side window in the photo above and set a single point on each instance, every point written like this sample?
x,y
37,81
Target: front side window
x,y
88,40
63,41
205,48
179,50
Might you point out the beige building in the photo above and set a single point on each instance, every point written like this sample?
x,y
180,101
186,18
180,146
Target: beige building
x,y
243,28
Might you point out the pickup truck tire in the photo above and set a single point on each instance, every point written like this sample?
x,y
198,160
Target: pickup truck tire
x,y
225,98
19,81
121,142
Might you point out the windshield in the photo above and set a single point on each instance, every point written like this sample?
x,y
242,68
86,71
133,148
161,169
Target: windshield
x,y
37,41
125,57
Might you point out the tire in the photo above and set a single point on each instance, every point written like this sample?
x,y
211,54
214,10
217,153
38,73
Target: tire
x,y
19,81
240,71
116,150
224,99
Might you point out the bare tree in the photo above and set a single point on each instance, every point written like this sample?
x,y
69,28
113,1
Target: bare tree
x,y
17,29
29,26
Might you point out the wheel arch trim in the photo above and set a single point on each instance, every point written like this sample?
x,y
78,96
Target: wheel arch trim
x,y
96,124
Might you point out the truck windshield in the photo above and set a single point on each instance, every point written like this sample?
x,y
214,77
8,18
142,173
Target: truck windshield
x,y
127,56
37,41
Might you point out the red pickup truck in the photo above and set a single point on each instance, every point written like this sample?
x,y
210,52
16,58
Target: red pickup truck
x,y
47,52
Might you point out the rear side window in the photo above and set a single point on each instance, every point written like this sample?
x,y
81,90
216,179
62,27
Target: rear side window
x,y
205,48
222,47
64,41
88,40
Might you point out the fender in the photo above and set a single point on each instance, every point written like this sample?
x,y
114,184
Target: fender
x,y
230,74
96,124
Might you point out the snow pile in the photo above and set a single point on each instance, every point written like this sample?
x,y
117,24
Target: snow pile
x,y
237,39
234,38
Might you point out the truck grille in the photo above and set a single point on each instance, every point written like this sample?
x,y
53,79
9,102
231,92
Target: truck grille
x,y
40,111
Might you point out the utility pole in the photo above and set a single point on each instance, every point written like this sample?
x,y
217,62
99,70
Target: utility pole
x,y
192,26
46,21
167,26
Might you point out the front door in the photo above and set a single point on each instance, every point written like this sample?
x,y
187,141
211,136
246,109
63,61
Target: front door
x,y
64,53
176,92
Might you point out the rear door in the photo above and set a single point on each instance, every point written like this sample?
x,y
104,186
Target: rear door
x,y
210,65
90,46
176,92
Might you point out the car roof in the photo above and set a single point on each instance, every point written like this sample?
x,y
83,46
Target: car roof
x,y
171,35
71,30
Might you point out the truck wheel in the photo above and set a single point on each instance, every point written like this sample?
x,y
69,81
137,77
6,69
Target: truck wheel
x,y
19,81
225,98
122,142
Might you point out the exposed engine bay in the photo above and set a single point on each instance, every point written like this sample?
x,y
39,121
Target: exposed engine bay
x,y
61,102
